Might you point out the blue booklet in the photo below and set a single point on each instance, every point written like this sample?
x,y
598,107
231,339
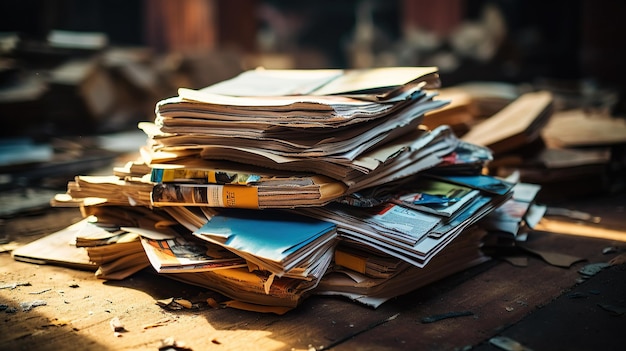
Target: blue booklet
x,y
486,183
267,234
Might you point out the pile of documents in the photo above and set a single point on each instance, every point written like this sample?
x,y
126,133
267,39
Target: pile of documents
x,y
279,184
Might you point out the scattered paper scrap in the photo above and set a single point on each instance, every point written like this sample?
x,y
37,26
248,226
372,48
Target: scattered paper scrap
x,y
508,344
29,305
14,285
175,304
620,259
39,292
615,310
184,303
213,303
117,327
554,258
592,269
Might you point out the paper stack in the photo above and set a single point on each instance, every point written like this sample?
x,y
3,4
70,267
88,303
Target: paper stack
x,y
313,182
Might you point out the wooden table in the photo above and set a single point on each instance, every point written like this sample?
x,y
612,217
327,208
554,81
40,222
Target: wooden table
x,y
541,306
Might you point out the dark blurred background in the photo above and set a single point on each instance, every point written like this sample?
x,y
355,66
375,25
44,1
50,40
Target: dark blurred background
x,y
564,42
194,43
73,71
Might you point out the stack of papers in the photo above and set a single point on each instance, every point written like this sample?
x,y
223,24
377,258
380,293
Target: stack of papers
x,y
112,190
256,287
171,253
335,130
412,234
372,290
280,184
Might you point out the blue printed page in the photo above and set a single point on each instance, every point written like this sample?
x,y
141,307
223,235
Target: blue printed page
x,y
267,234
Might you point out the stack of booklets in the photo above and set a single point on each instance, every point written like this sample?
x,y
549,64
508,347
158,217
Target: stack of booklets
x,y
279,184
429,227
371,277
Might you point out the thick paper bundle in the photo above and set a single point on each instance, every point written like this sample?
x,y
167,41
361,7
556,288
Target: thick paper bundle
x,y
361,286
332,129
306,176
409,233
